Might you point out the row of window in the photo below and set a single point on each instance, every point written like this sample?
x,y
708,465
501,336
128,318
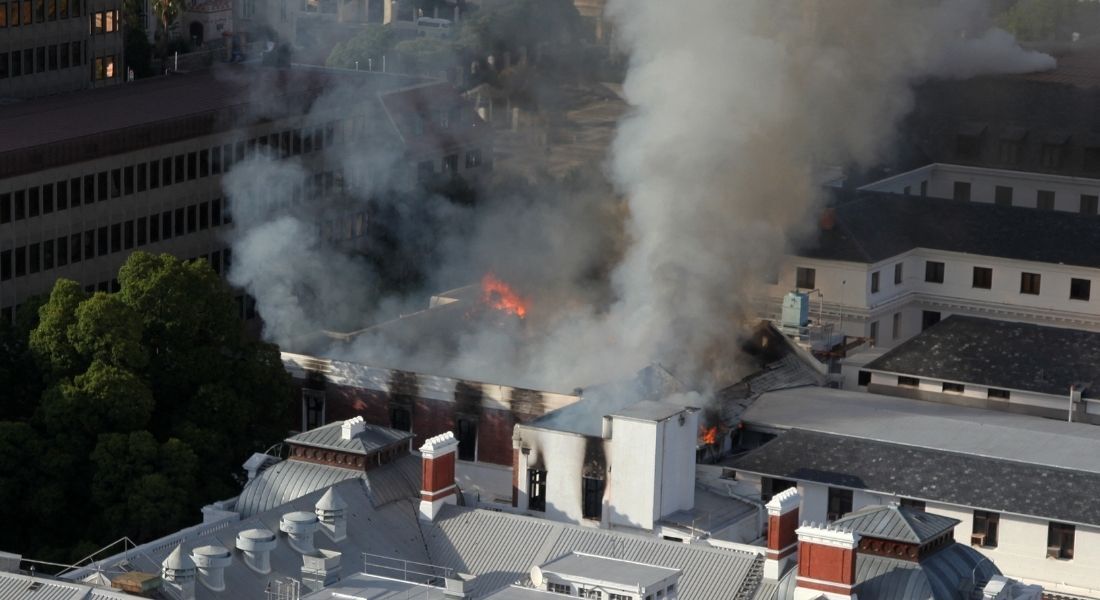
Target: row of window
x,y
1010,150
219,261
29,61
982,278
137,178
1060,536
1044,199
110,239
27,12
946,387
598,594
425,170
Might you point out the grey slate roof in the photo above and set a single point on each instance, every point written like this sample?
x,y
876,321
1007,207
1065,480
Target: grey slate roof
x,y
927,474
990,433
371,439
1000,354
897,524
876,226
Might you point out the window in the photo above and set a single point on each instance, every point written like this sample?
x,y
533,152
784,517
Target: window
x,y
5,265
5,208
997,394
953,388
47,255
929,318
178,222
142,228
967,146
770,486
840,503
933,272
1044,200
1088,203
62,251
559,588
32,202
20,205
450,164
3,15
40,59
62,189
466,432
912,504
1010,151
204,215
1002,195
898,273
874,282
400,418
28,12
961,191
924,188
1051,157
204,163
116,237
102,241
20,261
895,329
983,278
1079,289
1060,541
536,490
313,408
74,248
904,381
984,533
101,186
47,199
34,255
805,278
593,498
192,219
63,54
1029,283
127,235
873,334
77,56
595,594
864,379
216,160
192,165
180,172
51,52
89,244
3,63
473,159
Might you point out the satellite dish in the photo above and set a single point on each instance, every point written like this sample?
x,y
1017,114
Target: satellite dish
x,y
536,576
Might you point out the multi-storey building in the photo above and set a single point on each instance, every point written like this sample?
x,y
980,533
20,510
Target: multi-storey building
x,y
887,266
87,178
53,46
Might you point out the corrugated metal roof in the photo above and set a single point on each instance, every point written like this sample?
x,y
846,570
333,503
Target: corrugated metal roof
x,y
16,586
398,480
286,481
371,439
897,524
500,548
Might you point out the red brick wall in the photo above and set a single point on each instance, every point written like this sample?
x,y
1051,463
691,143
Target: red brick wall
x,y
781,530
429,418
827,563
439,473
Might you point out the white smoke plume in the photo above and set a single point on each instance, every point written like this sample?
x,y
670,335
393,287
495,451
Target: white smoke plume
x,y
734,106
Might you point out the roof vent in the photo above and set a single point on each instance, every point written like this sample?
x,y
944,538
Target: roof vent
x,y
178,573
256,545
211,562
352,427
330,511
299,527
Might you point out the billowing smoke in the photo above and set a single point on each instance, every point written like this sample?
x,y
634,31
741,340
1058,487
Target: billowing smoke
x,y
735,106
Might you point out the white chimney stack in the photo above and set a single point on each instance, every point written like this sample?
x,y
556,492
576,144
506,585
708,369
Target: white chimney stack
x,y
178,573
331,512
211,562
299,526
352,427
257,544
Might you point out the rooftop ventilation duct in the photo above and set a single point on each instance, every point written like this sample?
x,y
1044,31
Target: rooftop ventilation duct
x,y
211,562
330,511
320,568
299,526
256,545
178,573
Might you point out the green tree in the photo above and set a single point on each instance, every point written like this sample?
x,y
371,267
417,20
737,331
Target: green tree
x,y
374,42
49,341
167,11
424,55
1049,20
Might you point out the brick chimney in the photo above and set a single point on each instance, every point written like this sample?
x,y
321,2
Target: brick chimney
x,y
782,539
438,478
826,563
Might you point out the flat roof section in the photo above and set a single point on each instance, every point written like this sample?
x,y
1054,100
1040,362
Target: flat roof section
x,y
1000,354
608,570
988,433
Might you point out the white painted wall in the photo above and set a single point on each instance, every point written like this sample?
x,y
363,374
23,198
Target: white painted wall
x,y
677,482
633,499
561,454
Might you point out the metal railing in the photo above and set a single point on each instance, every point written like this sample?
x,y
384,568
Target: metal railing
x,y
409,570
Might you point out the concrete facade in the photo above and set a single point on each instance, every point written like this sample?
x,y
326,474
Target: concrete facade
x,y
55,46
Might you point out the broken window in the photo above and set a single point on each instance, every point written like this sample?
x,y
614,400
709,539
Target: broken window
x,y
466,432
805,278
984,533
840,503
313,409
1060,541
593,498
536,490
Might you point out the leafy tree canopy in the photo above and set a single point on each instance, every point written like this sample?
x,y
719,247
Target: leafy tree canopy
x,y
374,42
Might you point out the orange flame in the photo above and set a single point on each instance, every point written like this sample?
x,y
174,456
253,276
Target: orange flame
x,y
710,436
500,296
